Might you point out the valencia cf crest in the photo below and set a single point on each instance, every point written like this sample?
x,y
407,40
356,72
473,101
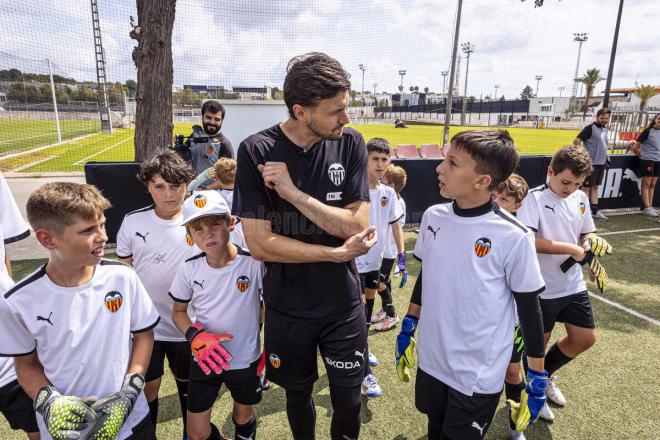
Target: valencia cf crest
x,y
113,300
200,201
583,208
209,149
482,247
243,283
189,240
383,201
336,173
274,360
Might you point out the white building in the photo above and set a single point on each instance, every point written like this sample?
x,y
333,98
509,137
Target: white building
x,y
549,108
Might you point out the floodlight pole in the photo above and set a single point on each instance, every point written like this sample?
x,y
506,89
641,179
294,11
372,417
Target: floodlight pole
x,y
610,70
580,38
450,92
363,68
52,90
468,49
444,80
538,80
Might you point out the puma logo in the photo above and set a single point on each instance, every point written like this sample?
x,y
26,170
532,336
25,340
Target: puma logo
x,y
238,436
197,283
360,354
475,425
143,237
431,229
41,318
551,208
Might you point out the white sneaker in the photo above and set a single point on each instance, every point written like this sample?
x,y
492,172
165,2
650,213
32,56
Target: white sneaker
x,y
547,414
517,435
651,212
370,387
373,360
388,323
553,392
378,317
599,216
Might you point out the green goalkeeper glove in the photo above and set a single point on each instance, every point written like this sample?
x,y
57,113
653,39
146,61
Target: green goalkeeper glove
x,y
114,409
66,417
598,246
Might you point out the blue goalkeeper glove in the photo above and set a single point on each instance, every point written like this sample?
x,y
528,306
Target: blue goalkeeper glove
x,y
405,347
401,265
532,400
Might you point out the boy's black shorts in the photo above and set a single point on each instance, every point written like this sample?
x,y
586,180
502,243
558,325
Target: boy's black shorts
x,y
17,407
386,269
457,412
596,176
243,384
178,357
572,309
144,430
291,350
369,280
649,168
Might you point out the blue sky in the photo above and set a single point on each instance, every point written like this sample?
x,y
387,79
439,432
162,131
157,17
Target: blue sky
x,y
248,43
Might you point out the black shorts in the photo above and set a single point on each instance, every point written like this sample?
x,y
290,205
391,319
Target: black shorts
x,y
596,176
203,390
386,269
457,412
649,168
572,309
369,280
291,350
178,357
144,430
17,407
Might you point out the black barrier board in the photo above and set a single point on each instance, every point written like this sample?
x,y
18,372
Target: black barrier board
x,y
118,182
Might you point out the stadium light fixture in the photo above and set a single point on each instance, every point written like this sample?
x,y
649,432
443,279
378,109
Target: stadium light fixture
x,y
538,80
402,73
363,68
560,88
444,79
467,48
579,38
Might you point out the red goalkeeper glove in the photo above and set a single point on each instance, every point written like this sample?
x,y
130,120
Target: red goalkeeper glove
x,y
207,351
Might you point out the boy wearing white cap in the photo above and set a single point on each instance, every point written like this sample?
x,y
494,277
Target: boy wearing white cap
x,y
223,285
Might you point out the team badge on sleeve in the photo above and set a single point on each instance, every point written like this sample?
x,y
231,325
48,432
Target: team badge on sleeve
x,y
336,173
383,201
200,201
482,247
113,300
243,283
274,360
583,208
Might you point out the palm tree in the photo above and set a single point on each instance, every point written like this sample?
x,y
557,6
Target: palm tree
x,y
590,79
644,93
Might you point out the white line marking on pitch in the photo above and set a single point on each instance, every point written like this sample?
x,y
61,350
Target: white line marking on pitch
x,y
28,137
82,161
625,309
33,150
630,231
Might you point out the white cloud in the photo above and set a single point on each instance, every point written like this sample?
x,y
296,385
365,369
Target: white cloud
x,y
248,43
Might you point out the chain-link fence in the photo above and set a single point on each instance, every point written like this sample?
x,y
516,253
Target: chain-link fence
x,y
516,69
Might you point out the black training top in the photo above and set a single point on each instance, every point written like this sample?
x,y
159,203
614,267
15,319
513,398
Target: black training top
x,y
333,172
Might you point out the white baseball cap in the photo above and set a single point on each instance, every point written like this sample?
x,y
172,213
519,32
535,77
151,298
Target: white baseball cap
x,y
202,204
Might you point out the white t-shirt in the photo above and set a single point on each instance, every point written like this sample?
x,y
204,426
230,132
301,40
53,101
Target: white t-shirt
x,y
225,300
12,228
158,248
7,373
390,245
82,334
228,195
472,261
557,219
383,211
12,225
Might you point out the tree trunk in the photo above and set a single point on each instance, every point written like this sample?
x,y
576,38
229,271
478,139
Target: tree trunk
x,y
153,59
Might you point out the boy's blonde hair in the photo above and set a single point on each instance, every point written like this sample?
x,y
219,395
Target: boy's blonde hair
x,y
225,170
397,177
56,205
514,186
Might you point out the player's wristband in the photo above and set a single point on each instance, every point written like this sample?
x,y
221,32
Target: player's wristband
x,y
193,331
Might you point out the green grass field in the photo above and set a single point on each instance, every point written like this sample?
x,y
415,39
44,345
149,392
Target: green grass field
x,y
16,136
611,389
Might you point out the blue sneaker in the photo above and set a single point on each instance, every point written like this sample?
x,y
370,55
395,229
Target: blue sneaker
x,y
370,387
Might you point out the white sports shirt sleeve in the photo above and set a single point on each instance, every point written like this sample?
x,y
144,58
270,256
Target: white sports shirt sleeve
x,y
528,214
522,267
13,224
144,315
418,252
182,289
